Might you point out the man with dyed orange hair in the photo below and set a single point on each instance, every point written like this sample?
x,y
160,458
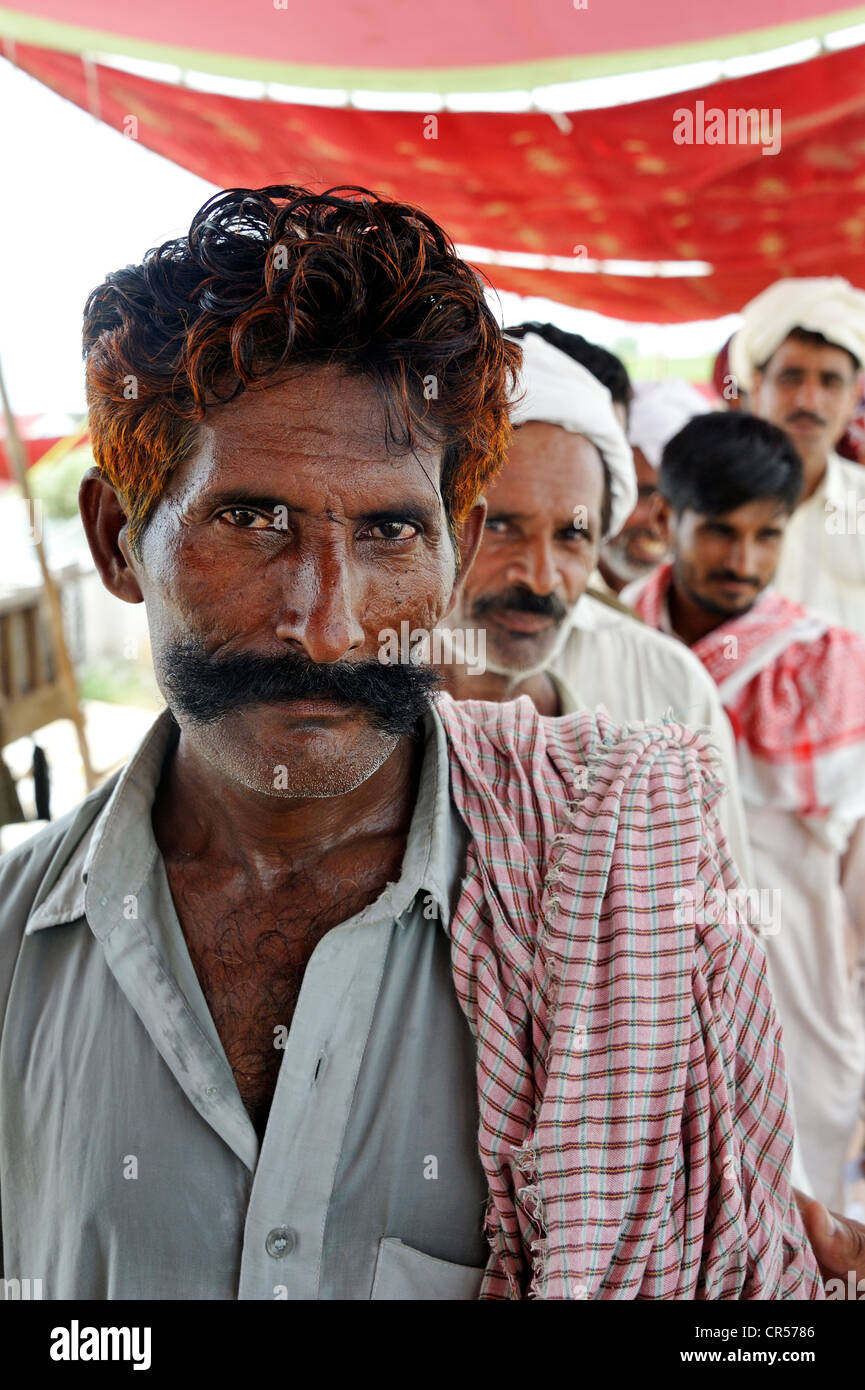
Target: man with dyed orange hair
x,y
336,992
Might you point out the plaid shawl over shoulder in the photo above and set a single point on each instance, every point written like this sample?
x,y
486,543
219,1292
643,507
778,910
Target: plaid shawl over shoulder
x,y
633,1119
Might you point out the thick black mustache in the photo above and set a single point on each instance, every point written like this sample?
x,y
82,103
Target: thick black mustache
x,y
805,415
520,601
724,575
205,688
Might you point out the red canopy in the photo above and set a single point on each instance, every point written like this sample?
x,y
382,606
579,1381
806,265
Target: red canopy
x,y
406,45
35,442
615,183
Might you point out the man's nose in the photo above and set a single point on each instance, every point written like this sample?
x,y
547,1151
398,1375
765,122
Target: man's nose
x,y
809,396
743,557
319,609
534,565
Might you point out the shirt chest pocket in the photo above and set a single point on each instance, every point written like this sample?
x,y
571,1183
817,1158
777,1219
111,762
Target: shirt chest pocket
x,y
402,1273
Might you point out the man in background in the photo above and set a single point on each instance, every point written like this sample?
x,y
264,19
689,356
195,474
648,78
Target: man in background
x,y
567,484
794,689
799,353
658,410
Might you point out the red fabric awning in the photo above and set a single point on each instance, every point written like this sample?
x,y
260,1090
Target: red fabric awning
x,y
616,183
33,449
403,45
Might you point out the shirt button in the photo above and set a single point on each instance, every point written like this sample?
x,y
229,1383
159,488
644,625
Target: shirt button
x,y
280,1242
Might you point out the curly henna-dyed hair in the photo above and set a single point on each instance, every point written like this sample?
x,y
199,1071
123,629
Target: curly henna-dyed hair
x,y
274,277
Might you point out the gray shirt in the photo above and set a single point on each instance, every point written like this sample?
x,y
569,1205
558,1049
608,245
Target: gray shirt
x,y
129,1167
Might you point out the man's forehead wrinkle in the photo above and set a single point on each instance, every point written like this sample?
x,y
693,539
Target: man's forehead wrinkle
x,y
312,436
542,518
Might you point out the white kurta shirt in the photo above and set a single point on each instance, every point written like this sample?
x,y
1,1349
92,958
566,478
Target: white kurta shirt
x,y
614,660
815,970
815,955
823,556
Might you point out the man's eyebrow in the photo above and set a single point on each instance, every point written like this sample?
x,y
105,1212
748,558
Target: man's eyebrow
x,y
247,497
243,497
420,511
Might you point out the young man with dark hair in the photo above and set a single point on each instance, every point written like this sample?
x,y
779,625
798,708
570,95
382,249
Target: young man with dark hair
x,y
322,968
794,689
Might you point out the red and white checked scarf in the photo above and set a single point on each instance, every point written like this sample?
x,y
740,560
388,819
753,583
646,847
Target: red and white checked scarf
x,y
793,687
634,1127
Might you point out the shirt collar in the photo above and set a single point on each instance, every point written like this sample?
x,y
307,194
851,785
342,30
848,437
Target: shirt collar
x,y
87,883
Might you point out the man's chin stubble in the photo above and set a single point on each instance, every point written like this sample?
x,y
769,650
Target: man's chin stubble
x,y
287,778
517,674
717,610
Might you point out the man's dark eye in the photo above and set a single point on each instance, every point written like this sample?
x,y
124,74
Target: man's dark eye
x,y
244,519
394,530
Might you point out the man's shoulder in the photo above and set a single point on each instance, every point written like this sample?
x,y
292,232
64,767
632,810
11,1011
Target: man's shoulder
x,y
38,861
625,644
851,475
585,790
500,746
44,841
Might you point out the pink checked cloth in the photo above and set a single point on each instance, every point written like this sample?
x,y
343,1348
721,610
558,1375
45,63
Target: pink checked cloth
x,y
634,1126
793,687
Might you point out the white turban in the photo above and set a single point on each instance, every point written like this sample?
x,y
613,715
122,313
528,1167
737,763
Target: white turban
x,y
658,411
555,390
827,304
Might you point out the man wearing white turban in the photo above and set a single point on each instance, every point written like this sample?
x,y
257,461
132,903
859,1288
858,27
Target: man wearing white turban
x,y
799,353
568,483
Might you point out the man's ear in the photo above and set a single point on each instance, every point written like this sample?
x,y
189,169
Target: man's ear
x,y
661,519
469,537
104,519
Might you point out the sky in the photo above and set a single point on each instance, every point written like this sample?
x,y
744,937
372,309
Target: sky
x,y
81,200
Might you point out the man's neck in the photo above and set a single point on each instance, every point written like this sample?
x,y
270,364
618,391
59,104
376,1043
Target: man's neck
x,y
688,619
612,580
499,686
814,470
199,815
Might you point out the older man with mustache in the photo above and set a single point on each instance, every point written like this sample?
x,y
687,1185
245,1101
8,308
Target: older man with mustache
x,y
567,486
336,992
